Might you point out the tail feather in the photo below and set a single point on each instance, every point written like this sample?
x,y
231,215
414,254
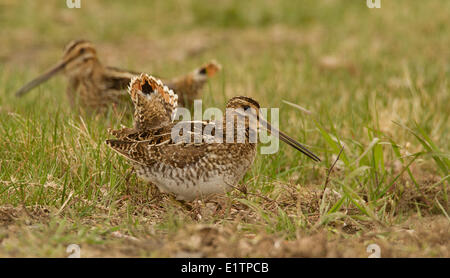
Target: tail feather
x,y
155,104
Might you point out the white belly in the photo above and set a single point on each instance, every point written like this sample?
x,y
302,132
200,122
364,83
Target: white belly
x,y
199,189
185,184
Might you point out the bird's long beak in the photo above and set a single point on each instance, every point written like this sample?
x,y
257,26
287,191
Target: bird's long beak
x,y
42,78
287,139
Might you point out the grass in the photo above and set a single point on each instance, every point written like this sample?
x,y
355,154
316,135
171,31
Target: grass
x,y
375,80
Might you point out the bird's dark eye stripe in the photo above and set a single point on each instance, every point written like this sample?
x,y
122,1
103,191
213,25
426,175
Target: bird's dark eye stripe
x,y
249,100
74,44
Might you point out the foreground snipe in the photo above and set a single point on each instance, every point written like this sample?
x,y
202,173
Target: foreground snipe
x,y
98,86
188,170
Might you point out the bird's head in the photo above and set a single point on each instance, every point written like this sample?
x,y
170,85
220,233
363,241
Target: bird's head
x,y
250,109
79,59
206,71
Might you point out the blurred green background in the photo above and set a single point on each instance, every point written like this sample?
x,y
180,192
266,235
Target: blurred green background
x,y
319,54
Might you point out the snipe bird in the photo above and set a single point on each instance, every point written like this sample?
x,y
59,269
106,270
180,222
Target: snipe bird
x,y
188,170
97,86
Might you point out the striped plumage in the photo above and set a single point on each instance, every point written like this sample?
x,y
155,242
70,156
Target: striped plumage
x,y
96,86
190,169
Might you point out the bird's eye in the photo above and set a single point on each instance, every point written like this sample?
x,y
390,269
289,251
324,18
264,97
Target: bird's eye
x,y
246,107
202,71
82,50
